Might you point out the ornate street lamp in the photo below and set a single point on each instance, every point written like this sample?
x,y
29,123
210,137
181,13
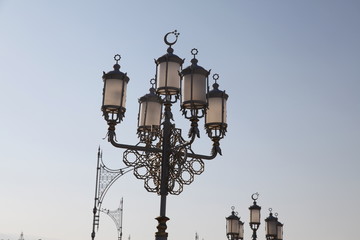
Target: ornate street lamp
x,y
254,215
274,229
271,226
114,93
234,227
215,123
162,157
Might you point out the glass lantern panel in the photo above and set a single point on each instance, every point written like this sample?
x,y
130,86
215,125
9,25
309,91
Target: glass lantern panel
x,y
255,215
271,228
241,230
194,89
150,114
215,114
279,232
232,226
168,76
115,93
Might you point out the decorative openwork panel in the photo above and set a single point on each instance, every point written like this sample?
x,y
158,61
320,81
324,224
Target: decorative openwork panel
x,y
182,169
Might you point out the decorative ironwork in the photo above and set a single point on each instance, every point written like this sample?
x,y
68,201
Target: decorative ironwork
x,y
182,169
116,216
105,177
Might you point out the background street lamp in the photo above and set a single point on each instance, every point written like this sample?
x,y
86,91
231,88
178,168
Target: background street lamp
x,y
163,158
235,227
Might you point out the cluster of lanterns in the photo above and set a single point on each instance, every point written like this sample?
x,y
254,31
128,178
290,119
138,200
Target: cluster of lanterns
x,y
190,85
235,227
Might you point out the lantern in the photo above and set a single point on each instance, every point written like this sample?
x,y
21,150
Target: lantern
x,y
168,67
232,226
194,84
271,227
215,119
114,93
149,116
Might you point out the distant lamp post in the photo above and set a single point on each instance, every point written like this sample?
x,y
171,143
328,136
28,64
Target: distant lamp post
x,y
163,158
235,227
271,226
254,216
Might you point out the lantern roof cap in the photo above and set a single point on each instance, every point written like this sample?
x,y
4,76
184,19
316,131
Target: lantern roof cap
x,y
116,73
216,92
233,215
194,68
151,96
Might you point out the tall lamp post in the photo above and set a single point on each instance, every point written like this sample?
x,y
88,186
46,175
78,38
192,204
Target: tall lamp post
x,y
235,227
162,157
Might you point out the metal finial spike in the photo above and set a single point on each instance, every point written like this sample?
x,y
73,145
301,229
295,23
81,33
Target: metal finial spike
x,y
117,58
216,77
152,82
194,52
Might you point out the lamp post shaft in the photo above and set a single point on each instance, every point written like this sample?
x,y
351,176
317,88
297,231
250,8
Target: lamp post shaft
x,y
254,236
161,234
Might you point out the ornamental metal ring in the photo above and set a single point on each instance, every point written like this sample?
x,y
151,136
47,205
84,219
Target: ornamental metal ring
x,y
194,52
152,82
270,210
232,208
176,34
276,214
216,77
117,57
255,196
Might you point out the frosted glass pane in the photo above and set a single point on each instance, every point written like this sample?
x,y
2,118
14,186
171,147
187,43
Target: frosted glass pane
x,y
279,232
255,216
271,228
113,93
194,90
153,114
168,75
150,114
241,230
215,114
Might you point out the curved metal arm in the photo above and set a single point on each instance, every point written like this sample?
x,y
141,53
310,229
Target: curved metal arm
x,y
187,143
112,140
215,150
204,157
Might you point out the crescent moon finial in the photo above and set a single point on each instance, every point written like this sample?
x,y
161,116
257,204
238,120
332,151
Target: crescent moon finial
x,y
175,33
255,196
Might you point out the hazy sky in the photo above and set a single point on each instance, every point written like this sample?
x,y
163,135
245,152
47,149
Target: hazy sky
x,y
292,72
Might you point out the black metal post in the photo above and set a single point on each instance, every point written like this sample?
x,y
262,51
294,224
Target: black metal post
x,y
161,234
254,236
95,210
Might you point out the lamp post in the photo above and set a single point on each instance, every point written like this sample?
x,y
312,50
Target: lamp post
x,y
163,158
235,229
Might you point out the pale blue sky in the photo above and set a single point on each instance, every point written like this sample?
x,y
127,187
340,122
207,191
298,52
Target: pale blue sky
x,y
292,72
